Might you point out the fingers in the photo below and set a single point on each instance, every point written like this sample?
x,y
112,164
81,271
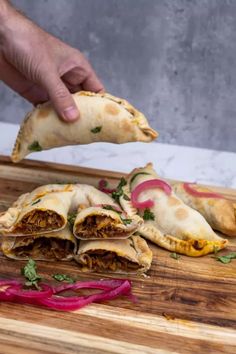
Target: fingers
x,y
17,82
87,81
92,83
77,71
60,96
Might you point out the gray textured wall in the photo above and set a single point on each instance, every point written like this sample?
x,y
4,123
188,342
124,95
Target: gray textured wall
x,y
173,59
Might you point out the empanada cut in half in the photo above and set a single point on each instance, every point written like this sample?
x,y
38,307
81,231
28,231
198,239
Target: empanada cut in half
x,y
59,245
131,255
102,217
43,210
172,224
220,213
103,118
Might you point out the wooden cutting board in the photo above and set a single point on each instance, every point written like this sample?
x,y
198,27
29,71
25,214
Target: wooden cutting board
x,y
185,306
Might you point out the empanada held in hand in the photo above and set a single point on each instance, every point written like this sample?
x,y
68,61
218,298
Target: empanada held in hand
x,y
103,118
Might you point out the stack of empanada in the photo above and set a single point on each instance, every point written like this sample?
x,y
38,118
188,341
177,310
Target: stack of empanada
x,y
49,222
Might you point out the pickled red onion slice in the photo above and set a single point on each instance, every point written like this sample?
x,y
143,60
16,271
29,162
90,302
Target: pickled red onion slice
x,y
189,189
96,284
46,291
102,186
62,304
153,183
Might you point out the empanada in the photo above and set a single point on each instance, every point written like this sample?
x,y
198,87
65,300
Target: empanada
x,y
176,226
101,217
103,118
49,207
43,210
59,245
131,255
219,213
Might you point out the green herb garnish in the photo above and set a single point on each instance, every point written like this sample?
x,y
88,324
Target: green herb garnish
x,y
137,174
71,219
175,255
216,249
126,221
227,258
110,207
148,215
63,277
125,196
30,273
119,191
36,201
35,147
96,129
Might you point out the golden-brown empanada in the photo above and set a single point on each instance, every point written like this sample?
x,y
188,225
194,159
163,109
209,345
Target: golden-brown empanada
x,y
219,213
131,255
43,210
101,217
58,245
176,226
103,118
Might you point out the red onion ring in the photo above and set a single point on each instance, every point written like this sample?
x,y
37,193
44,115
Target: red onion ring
x,y
47,291
76,304
96,284
102,187
188,188
150,184
112,289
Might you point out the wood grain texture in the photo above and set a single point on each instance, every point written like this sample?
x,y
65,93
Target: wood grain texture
x,y
184,306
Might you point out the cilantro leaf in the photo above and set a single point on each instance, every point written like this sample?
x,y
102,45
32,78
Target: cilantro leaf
x,y
110,207
96,129
148,215
30,273
35,146
122,183
119,191
36,201
71,219
175,255
126,221
63,277
137,174
216,249
227,258
125,196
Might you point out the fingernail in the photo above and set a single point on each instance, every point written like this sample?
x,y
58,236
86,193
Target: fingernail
x,y
71,113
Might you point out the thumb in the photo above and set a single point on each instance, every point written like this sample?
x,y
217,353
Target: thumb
x,y
60,97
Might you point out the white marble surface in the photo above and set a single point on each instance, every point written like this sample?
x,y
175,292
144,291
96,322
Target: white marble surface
x,y
176,162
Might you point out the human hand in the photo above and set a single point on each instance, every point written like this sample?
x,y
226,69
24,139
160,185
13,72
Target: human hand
x,y
40,67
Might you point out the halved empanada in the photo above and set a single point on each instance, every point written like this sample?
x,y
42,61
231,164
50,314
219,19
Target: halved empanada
x,y
176,226
219,213
59,245
102,118
101,217
131,255
41,211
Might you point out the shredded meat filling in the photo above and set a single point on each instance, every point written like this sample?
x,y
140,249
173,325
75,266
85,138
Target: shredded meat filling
x,y
101,260
39,220
99,226
46,248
